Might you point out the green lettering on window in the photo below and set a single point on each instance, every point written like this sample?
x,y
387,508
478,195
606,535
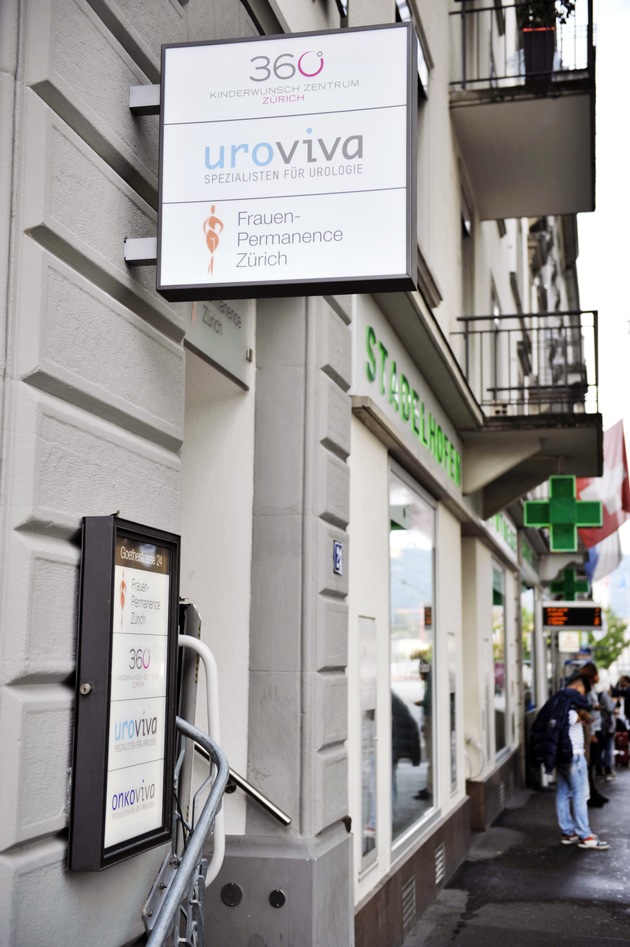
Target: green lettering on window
x,y
370,365
394,398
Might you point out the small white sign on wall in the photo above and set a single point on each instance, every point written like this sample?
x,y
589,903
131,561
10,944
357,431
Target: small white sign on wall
x,y
568,641
221,331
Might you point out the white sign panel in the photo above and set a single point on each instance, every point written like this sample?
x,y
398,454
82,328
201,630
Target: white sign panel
x,y
287,165
568,641
221,331
137,715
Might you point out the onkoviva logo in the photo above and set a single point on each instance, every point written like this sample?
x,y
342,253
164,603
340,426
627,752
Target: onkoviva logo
x,y
135,796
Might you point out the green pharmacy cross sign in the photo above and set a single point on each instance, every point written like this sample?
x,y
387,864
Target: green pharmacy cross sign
x,y
569,585
562,514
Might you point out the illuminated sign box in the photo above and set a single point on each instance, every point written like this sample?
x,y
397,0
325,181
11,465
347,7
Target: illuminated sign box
x,y
582,616
287,165
122,774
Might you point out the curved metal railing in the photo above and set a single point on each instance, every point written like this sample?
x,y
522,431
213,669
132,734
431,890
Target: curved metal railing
x,y
186,874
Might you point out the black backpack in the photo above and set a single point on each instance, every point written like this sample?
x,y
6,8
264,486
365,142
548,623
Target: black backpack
x,y
545,720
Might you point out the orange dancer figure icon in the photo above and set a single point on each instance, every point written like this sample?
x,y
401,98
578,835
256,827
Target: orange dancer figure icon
x,y
123,588
212,227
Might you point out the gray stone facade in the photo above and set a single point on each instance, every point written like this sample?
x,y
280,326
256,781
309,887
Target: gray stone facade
x,y
92,408
93,422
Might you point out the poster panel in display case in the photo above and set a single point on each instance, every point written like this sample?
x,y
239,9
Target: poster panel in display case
x,y
123,752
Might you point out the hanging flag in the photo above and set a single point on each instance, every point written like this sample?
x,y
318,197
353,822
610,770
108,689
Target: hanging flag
x,y
613,489
604,557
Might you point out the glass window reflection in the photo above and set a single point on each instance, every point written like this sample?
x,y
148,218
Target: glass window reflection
x,y
412,527
499,658
368,661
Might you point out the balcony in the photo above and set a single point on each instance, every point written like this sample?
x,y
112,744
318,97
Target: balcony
x,y
525,116
535,377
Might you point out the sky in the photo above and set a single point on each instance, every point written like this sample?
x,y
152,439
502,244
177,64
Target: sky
x,y
603,262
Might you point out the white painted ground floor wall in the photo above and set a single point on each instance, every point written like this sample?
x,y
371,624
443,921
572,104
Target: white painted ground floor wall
x,y
216,523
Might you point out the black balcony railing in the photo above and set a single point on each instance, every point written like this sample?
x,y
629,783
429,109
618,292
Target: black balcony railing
x,y
505,46
531,364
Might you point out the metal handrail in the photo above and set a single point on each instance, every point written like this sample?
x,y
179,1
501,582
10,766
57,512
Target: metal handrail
x,y
258,797
236,781
207,658
187,867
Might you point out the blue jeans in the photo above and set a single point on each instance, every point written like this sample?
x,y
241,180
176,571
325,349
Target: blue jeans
x,y
572,785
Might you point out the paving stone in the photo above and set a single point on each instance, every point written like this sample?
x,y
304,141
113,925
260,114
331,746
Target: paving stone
x,y
520,886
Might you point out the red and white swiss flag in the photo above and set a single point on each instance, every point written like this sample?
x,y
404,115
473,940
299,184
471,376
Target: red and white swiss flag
x,y
613,489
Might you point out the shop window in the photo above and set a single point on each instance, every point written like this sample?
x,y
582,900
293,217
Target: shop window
x,y
499,657
367,670
527,637
412,644
452,689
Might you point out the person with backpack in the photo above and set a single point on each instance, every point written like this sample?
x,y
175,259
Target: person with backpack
x,y
558,743
609,711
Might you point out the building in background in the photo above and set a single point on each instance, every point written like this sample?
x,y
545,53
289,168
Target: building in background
x,y
618,589
348,486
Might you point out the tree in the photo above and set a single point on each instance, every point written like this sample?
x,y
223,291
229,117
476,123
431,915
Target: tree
x,y
608,648
527,625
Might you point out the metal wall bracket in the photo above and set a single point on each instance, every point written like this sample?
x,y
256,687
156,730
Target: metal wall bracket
x,y
160,890
144,99
140,251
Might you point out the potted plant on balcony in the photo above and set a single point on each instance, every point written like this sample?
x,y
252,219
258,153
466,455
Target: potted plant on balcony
x,y
537,20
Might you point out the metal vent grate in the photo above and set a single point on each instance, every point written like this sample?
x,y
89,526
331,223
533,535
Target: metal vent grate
x,y
440,863
408,895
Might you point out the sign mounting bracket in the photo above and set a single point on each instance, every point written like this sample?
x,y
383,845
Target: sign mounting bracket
x,y
144,99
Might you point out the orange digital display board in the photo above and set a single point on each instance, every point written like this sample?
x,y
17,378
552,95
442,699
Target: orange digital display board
x,y
572,616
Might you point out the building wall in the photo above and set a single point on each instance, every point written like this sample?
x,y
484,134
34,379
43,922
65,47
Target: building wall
x,y
298,651
439,214
217,485
93,404
104,411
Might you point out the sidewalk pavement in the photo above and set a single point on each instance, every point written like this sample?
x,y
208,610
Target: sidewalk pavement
x,y
520,887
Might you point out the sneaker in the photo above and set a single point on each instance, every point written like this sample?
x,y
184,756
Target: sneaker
x,y
598,797
570,839
423,794
593,842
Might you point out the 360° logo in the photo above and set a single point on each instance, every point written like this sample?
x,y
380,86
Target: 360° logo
x,y
283,67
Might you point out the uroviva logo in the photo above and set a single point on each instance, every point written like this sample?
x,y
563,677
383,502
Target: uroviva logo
x,y
131,729
263,153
